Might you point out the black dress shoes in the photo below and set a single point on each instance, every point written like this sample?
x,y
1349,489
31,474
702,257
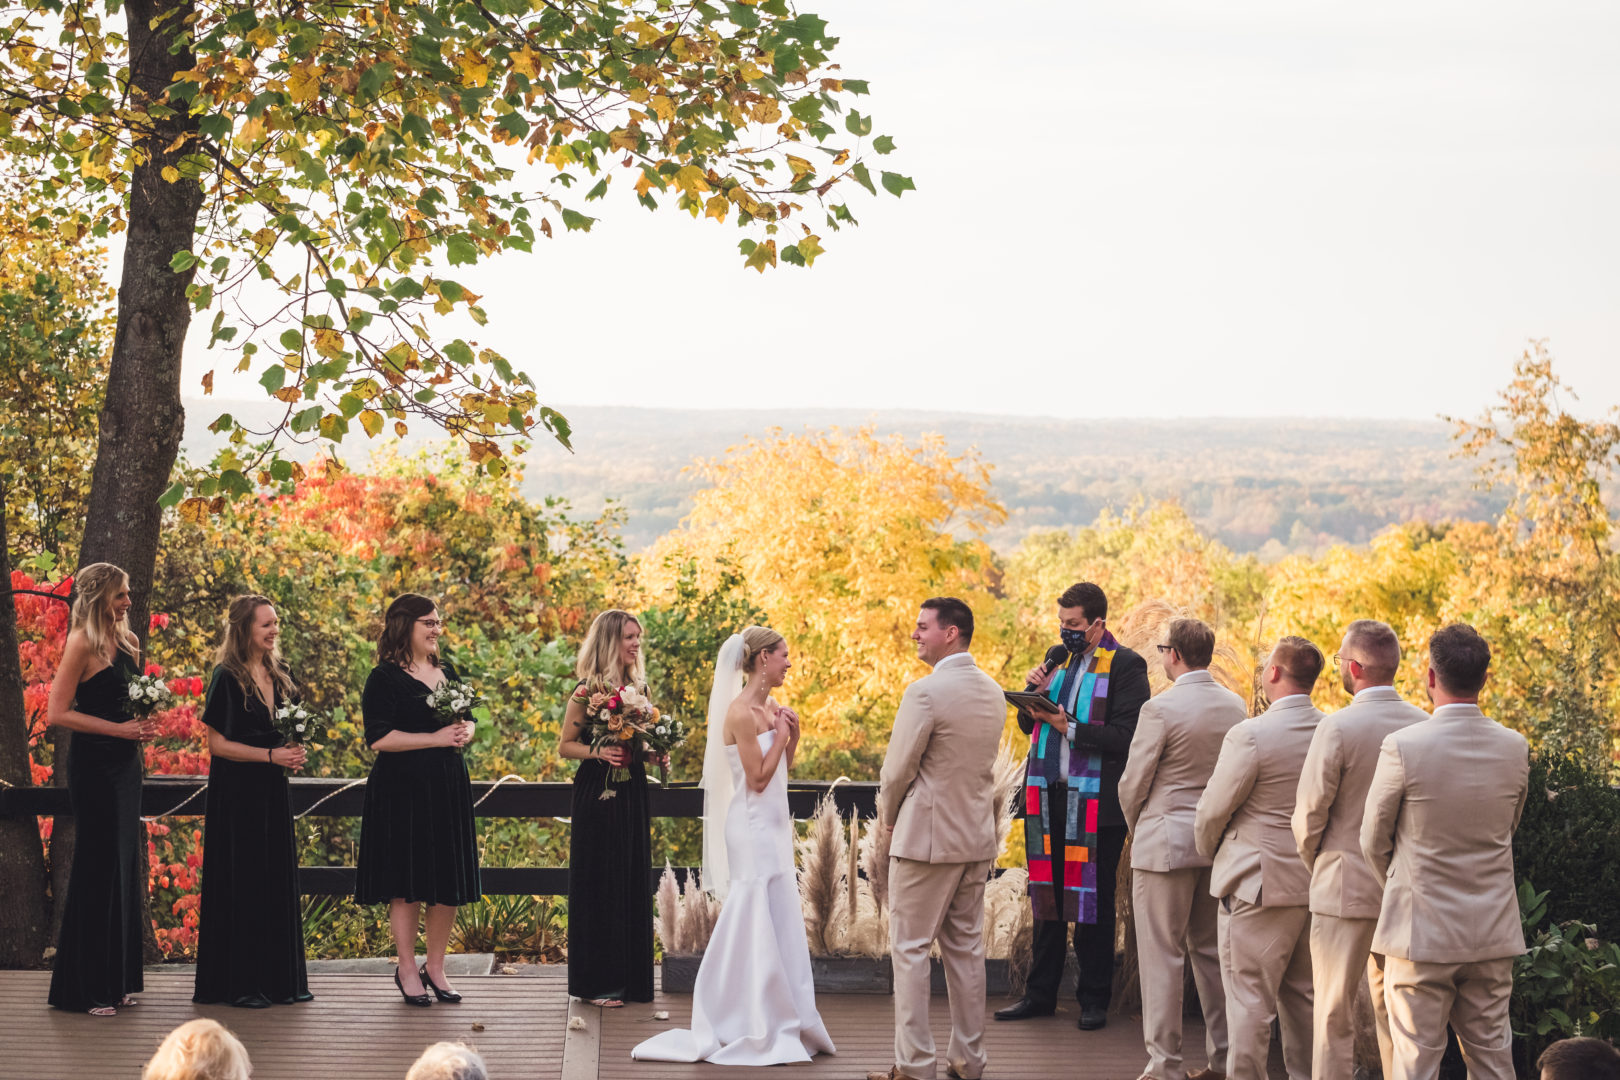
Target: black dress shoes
x,y
1023,1010
1092,1017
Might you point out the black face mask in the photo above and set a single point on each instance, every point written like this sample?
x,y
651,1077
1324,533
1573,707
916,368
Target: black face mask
x,y
1074,640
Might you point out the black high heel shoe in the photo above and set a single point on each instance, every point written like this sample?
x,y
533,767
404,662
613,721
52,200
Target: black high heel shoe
x,y
449,997
411,999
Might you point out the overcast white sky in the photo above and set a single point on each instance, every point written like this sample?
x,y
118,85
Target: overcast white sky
x,y
1140,209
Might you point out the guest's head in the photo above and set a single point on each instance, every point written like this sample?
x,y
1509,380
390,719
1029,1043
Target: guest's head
x,y
1082,616
944,626
101,609
411,629
765,656
611,654
1369,655
251,644
1579,1059
199,1050
1189,645
1459,660
1291,668
448,1061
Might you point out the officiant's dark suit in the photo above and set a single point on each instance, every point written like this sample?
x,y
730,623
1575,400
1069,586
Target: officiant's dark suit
x,y
1111,741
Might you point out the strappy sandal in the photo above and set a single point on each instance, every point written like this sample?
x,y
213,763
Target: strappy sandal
x,y
105,1010
607,1003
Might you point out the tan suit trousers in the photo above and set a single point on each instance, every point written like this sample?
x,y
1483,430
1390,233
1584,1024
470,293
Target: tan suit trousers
x,y
1266,965
1175,923
1341,957
1473,998
943,901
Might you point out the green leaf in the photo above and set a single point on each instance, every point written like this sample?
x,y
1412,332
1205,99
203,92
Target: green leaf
x,y
862,177
281,470
172,497
235,483
182,261
894,184
274,378
459,352
337,288
856,124
598,191
304,421
572,220
215,126
291,340
857,86
461,250
883,144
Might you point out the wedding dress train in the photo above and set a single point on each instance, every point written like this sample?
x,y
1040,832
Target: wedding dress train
x,y
754,1002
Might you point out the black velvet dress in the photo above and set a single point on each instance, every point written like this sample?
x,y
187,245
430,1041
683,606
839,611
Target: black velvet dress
x,y
417,840
98,953
610,901
250,949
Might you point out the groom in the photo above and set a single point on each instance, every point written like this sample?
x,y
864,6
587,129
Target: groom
x,y
936,800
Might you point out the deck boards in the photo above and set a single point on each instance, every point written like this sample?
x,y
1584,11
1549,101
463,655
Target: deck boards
x,y
357,1029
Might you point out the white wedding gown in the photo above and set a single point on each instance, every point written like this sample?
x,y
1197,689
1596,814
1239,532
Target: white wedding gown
x,y
754,1002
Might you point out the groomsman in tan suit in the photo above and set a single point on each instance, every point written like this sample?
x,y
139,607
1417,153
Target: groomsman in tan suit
x,y
936,799
1327,827
1444,804
1243,822
1178,738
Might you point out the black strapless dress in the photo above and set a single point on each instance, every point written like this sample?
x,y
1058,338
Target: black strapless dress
x,y
610,902
98,952
417,837
250,951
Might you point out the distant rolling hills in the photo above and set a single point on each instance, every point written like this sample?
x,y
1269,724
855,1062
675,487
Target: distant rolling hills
x,y
1267,485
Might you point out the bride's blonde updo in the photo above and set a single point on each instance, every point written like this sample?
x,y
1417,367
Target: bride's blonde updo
x,y
758,640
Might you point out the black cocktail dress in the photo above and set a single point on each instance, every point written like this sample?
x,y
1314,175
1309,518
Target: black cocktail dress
x,y
98,952
610,901
417,838
250,949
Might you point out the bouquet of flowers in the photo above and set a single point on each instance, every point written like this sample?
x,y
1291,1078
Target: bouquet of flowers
x,y
294,721
457,703
148,694
627,718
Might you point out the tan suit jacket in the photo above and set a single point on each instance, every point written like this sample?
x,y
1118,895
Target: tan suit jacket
x,y
1178,738
936,779
1242,817
1333,797
1444,804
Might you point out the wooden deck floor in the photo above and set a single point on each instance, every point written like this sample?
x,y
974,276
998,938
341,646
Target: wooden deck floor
x,y
358,1029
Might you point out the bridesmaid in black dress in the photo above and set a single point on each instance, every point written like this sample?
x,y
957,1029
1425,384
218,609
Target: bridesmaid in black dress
x,y
610,904
98,952
417,841
250,951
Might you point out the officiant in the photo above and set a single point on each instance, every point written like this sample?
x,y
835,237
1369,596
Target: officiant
x,y
1074,829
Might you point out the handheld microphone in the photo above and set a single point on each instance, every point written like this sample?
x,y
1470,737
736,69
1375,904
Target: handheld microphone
x,y
1056,655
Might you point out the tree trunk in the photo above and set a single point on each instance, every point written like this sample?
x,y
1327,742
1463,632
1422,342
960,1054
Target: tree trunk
x,y
141,419
24,922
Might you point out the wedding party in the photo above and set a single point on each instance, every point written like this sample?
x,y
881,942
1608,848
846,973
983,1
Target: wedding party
x,y
652,539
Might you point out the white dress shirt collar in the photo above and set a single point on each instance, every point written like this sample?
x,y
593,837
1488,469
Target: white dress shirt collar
x,y
1200,675
1387,693
964,656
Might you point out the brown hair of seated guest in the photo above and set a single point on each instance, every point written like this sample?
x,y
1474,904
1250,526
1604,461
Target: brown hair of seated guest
x,y
199,1050
1299,661
1579,1059
1193,639
394,646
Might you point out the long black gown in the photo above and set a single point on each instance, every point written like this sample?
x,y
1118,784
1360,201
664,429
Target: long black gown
x,y
610,902
417,836
98,952
250,951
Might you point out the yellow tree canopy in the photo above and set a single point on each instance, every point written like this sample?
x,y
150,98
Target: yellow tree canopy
x,y
839,536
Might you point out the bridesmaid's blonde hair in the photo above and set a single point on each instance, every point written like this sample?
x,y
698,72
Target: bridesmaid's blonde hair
x,y
199,1050
599,667
94,587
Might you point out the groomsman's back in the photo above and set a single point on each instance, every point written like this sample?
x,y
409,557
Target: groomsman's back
x,y
1444,805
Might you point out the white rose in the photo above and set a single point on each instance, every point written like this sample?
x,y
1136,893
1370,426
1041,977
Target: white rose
x,y
663,729
299,728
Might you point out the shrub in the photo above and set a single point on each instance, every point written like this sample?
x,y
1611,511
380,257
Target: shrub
x,y
1568,843
1567,984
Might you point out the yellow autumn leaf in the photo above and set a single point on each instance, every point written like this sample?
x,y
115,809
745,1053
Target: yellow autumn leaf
x,y
623,139
474,69
767,111
328,343
663,106
372,421
262,36
716,207
194,511
801,168
304,82
639,94
170,173
525,61
690,179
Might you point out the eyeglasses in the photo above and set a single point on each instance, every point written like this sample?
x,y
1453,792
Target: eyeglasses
x,y
1165,648
432,624
1338,659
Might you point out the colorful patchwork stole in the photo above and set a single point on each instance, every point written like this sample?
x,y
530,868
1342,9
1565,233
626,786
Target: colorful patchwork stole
x,y
1087,701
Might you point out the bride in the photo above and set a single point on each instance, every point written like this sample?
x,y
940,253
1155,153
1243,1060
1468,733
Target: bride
x,y
754,1002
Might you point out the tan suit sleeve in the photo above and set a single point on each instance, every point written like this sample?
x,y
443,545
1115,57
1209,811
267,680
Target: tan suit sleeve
x,y
1318,786
1524,787
1142,762
1383,811
1229,786
912,725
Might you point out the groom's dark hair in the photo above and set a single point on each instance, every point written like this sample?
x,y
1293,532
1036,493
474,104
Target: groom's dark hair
x,y
952,612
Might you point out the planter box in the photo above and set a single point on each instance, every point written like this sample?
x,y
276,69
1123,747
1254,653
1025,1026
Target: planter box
x,y
836,975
